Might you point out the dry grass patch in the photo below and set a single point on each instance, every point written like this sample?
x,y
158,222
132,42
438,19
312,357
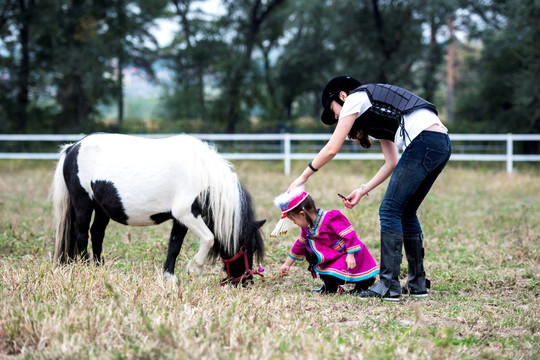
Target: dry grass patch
x,y
482,234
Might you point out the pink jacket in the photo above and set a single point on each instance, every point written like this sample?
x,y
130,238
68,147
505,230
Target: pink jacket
x,y
329,242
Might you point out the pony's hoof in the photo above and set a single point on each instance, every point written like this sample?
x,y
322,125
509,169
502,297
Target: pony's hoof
x,y
168,277
194,268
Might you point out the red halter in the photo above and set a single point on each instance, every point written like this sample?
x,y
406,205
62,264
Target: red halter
x,y
229,279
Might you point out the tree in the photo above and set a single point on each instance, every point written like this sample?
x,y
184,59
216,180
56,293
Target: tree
x,y
437,15
64,49
128,38
307,59
16,20
59,60
374,41
194,56
247,18
8,64
504,98
79,63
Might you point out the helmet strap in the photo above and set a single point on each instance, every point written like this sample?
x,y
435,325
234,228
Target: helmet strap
x,y
336,97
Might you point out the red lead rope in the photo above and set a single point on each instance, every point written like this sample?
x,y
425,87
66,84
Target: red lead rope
x,y
248,272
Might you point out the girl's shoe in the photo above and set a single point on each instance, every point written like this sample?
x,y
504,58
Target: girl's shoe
x,y
323,290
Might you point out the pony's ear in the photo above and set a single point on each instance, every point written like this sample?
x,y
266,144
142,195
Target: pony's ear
x,y
260,223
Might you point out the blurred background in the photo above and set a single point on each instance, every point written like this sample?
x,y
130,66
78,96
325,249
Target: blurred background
x,y
163,66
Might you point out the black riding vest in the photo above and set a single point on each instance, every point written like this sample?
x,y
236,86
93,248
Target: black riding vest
x,y
385,116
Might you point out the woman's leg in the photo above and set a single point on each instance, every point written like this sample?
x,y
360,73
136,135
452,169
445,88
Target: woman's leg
x,y
428,151
388,286
436,156
417,283
418,168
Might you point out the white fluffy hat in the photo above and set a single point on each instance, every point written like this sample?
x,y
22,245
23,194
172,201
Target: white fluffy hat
x,y
286,202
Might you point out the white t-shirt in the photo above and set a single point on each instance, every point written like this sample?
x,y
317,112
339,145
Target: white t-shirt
x,y
415,122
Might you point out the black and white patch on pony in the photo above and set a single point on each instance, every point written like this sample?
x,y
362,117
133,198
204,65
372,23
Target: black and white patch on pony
x,y
106,196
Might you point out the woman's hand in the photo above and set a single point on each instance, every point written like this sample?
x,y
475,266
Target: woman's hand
x,y
301,180
391,159
353,198
351,262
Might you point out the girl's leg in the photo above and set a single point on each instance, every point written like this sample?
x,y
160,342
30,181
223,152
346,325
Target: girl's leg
x,y
364,284
331,283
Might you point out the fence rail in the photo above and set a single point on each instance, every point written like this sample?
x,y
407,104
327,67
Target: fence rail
x,y
286,153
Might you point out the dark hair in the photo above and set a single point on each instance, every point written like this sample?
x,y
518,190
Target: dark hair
x,y
356,133
308,205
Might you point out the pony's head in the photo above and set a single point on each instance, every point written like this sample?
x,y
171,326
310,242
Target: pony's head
x,y
238,261
239,267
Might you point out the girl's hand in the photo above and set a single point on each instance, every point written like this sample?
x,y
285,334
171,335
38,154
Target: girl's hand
x,y
351,262
284,270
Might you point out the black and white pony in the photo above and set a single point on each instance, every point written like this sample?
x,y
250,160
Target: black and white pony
x,y
140,182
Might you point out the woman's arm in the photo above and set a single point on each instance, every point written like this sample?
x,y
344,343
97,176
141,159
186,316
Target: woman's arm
x,y
391,158
329,151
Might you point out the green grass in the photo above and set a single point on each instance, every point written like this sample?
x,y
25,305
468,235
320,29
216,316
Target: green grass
x,y
482,231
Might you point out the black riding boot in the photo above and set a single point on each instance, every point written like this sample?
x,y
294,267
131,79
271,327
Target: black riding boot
x,y
417,284
388,287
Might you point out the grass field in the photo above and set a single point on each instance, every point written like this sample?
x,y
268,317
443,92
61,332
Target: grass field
x,y
482,237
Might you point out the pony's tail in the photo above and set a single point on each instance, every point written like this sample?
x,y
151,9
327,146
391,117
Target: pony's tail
x,y
64,246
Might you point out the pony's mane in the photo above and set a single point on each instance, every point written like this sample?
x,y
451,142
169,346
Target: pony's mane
x,y
247,224
222,195
249,221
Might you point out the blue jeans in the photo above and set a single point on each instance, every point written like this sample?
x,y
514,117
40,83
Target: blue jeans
x,y
418,168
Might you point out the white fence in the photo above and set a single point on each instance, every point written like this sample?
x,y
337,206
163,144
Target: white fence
x,y
284,150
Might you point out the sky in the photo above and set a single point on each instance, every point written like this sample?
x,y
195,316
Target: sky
x,y
136,85
164,31
166,28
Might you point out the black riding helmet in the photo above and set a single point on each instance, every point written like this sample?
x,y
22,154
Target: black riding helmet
x,y
331,92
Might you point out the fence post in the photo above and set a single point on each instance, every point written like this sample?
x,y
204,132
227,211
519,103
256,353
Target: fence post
x,y
509,153
287,153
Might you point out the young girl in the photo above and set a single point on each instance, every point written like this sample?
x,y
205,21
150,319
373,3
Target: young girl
x,y
327,241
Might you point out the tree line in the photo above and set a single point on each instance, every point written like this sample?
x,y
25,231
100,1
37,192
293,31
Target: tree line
x,y
260,65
